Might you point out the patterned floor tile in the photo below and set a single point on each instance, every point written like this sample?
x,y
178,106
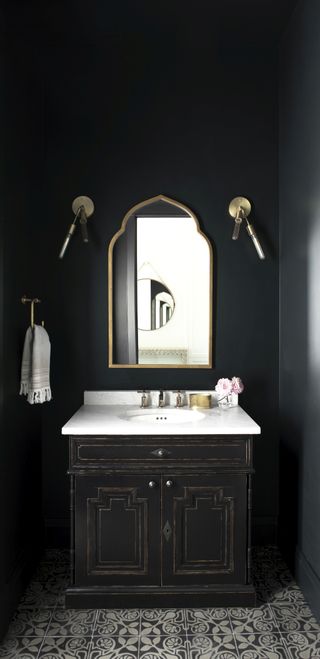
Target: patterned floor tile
x,y
247,621
112,647
207,621
65,648
61,601
20,648
282,627
56,555
163,647
46,571
261,646
72,622
294,617
162,621
122,622
42,595
217,646
275,592
29,622
302,645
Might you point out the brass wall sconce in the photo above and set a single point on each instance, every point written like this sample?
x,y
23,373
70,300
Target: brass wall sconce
x,y
239,209
83,208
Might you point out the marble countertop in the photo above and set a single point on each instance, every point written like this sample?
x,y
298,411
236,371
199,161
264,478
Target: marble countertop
x,y
111,419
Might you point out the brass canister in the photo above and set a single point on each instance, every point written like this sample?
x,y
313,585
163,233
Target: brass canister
x,y
200,401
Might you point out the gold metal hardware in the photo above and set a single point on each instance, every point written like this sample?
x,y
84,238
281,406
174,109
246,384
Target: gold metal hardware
x,y
83,208
202,401
32,301
239,209
134,210
152,484
83,202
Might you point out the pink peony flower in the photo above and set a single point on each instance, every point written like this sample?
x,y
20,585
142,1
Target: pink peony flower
x,y
237,385
223,387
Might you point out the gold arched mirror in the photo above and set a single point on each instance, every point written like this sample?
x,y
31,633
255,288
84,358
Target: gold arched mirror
x,y
160,289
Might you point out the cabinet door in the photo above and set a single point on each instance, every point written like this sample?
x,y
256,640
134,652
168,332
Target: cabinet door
x,y
204,529
117,522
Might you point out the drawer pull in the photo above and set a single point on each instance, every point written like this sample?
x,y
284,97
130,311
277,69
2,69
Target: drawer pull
x,y
169,483
152,484
160,452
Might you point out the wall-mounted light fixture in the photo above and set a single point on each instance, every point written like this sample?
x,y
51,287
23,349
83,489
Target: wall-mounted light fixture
x,y
83,208
239,209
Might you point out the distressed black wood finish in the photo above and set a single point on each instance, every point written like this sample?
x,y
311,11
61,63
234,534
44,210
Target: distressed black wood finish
x,y
160,521
117,530
209,521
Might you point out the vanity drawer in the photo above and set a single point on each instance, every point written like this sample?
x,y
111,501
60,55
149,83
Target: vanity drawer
x,y
99,452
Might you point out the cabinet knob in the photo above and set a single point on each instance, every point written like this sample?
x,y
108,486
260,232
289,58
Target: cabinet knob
x,y
152,484
161,452
169,483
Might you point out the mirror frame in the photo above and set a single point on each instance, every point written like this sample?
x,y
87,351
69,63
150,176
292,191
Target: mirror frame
x,y
122,229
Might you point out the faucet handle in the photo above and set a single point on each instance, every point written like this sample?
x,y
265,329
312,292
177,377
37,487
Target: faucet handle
x,y
179,398
144,397
162,398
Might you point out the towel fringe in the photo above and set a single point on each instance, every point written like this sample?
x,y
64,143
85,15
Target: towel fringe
x,y
24,388
39,395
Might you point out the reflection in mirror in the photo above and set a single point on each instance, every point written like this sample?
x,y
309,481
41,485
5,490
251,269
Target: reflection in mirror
x,y
160,289
155,304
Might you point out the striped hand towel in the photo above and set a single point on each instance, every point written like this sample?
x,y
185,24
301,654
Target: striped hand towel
x,y
35,367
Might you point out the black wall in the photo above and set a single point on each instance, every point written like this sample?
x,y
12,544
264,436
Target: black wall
x,y
140,103
20,440
148,110
299,295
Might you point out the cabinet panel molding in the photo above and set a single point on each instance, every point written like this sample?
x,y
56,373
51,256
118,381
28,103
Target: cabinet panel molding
x,y
169,530
208,516
114,523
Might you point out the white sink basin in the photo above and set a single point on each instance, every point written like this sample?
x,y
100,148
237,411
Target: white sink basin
x,y
163,416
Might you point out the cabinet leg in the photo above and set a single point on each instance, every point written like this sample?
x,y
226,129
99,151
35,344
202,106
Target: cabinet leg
x,y
249,557
72,529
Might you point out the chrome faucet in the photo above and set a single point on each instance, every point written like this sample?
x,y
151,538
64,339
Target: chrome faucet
x,y
144,398
161,398
179,399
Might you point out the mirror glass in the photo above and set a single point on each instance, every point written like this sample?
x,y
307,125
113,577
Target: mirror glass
x,y
160,289
155,304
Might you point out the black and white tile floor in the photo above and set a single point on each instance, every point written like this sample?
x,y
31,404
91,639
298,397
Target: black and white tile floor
x,y
281,626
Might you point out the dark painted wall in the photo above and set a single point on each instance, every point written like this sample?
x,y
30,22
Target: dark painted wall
x,y
20,439
299,295
148,110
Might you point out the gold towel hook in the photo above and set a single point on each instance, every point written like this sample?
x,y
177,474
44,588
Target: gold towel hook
x,y
32,301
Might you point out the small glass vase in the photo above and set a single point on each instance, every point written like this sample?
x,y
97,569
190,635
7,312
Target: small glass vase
x,y
231,400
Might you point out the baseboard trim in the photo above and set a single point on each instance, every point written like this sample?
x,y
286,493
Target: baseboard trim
x,y
164,596
12,590
308,581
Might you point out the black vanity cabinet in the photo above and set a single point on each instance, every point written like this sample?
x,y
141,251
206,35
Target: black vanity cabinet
x,y
160,521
